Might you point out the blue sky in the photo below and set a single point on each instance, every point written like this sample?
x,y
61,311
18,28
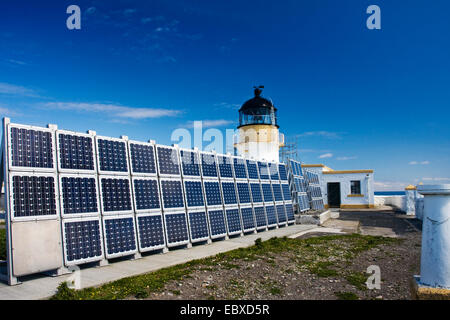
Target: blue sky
x,y
354,98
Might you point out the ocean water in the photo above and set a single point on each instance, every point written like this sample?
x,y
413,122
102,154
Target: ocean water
x,y
389,193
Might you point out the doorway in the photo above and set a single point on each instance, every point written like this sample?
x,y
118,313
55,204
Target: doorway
x,y
334,194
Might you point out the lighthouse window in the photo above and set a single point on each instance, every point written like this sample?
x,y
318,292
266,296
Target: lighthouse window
x,y
355,187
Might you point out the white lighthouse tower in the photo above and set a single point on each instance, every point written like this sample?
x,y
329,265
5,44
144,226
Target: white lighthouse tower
x,y
259,136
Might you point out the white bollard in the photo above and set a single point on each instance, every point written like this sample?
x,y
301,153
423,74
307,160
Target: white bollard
x,y
410,195
435,255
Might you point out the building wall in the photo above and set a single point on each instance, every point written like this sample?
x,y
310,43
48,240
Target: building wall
x,y
365,199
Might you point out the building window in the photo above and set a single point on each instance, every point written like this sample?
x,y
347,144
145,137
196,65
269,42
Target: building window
x,y
355,187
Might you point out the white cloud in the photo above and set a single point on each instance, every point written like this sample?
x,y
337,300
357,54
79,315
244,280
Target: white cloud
x,y
16,62
226,105
324,134
128,12
346,158
7,112
114,110
91,10
11,89
326,155
211,123
435,179
389,185
413,163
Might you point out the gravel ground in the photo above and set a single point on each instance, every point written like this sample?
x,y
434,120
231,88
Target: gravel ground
x,y
286,275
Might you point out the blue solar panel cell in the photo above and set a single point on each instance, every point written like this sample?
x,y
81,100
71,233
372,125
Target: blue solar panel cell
x,y
290,212
33,196
79,195
190,163
271,215
273,171
281,213
198,225
112,155
116,194
278,195
240,171
252,169
229,192
120,236
142,158
267,192
82,241
176,228
243,192
263,170
283,172
146,193
76,152
233,221
256,192
217,222
286,192
194,193
31,148
168,162
209,168
150,231
225,168
248,219
212,192
172,194
260,216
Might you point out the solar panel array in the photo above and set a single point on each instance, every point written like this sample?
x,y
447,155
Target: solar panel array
x,y
298,186
116,197
314,190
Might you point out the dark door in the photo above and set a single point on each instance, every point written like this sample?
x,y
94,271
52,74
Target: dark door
x,y
334,194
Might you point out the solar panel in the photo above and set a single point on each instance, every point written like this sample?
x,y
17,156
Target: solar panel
x,y
31,147
293,167
278,195
281,214
168,163
286,192
240,172
273,171
115,195
243,192
190,163
176,229
225,168
33,196
229,193
172,194
112,155
194,193
75,152
150,232
217,223
271,216
142,157
120,237
263,170
256,192
267,192
212,192
198,226
260,217
290,212
82,241
283,172
233,221
252,169
146,194
79,195
209,168
248,219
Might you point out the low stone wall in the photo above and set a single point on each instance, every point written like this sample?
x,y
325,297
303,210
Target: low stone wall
x,y
398,202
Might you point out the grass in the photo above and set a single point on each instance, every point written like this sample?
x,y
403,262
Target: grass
x,y
357,279
346,296
2,244
319,255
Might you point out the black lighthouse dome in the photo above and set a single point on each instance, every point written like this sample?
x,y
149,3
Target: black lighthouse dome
x,y
258,110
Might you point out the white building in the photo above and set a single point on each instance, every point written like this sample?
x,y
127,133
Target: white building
x,y
345,189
